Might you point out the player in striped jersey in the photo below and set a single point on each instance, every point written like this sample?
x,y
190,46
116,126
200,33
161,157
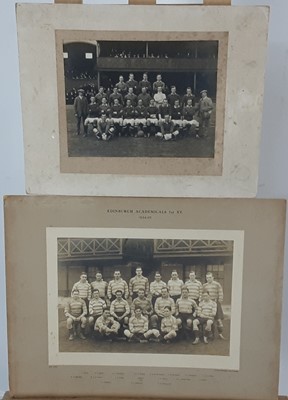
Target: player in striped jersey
x,y
216,294
106,327
161,302
206,312
84,288
138,282
96,307
117,284
75,311
185,312
156,286
144,303
100,284
138,328
175,285
194,287
120,309
169,325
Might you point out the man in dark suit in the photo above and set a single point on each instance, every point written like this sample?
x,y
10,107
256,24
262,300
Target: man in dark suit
x,y
81,111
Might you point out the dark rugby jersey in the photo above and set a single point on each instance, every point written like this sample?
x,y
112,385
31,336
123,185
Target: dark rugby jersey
x,y
167,127
131,97
114,96
121,87
93,110
104,110
176,112
164,110
140,112
152,111
116,111
158,84
99,97
145,98
103,126
145,84
172,98
128,112
133,84
188,113
186,97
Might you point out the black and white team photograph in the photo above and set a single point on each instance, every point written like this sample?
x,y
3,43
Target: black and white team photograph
x,y
141,98
169,296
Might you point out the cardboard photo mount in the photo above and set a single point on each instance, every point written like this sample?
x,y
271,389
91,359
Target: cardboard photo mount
x,y
234,174
262,223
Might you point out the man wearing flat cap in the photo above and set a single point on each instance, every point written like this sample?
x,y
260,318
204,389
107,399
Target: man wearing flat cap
x,y
81,111
205,111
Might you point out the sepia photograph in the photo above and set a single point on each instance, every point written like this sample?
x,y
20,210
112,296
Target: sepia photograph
x,y
133,99
159,91
145,295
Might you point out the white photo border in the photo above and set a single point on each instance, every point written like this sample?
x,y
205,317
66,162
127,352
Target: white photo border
x,y
231,362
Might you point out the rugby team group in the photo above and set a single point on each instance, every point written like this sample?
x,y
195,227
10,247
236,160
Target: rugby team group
x,y
141,311
142,109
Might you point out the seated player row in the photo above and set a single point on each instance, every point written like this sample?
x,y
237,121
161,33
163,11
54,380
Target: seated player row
x,y
140,322
150,298
142,110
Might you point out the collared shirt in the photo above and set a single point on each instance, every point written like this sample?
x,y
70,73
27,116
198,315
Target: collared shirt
x,y
117,284
194,288
207,309
101,286
75,307
174,286
215,290
138,282
96,307
138,325
84,289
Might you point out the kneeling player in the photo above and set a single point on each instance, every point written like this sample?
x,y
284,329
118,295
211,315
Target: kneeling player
x,y
138,328
75,311
103,129
168,130
106,327
205,317
168,326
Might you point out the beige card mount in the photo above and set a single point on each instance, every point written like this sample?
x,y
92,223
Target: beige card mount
x,y
213,56
240,243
